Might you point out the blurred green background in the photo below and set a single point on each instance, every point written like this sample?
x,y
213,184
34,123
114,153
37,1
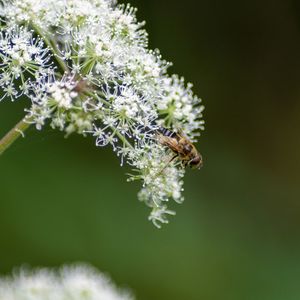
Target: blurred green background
x,y
237,236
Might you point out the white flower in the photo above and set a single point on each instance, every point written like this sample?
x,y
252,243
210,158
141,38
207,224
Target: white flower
x,y
62,94
180,107
85,67
159,215
22,59
78,282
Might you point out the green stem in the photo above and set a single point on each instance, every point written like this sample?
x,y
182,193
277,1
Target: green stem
x,y
52,45
14,134
121,137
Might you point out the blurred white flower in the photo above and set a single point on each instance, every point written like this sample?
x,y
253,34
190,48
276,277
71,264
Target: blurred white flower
x,y
85,67
78,282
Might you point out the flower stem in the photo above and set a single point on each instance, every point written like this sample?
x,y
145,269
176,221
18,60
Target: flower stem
x,y
14,133
122,138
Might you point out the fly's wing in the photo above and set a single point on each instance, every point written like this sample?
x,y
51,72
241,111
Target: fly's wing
x,y
171,143
181,134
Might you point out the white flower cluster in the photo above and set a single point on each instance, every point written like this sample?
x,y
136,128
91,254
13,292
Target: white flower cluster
x,y
21,57
85,67
77,282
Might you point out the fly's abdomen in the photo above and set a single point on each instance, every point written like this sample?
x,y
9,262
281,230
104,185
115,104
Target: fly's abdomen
x,y
167,132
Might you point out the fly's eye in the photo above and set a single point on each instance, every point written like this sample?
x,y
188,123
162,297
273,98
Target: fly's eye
x,y
196,162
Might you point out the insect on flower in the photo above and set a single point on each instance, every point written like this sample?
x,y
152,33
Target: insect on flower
x,y
85,67
183,148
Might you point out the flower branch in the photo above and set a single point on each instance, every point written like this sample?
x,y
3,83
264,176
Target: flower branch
x,y
84,67
17,131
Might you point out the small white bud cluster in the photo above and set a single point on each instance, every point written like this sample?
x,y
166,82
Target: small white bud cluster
x,y
78,282
62,95
85,67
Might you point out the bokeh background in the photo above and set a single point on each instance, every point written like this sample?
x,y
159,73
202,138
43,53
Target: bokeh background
x,y
237,236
